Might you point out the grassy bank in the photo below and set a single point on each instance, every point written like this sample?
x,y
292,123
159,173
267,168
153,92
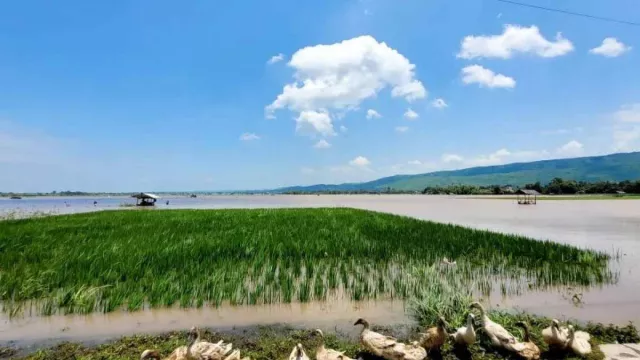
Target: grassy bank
x,y
276,342
106,260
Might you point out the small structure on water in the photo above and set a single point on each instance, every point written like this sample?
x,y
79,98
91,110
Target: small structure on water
x,y
527,196
145,199
15,197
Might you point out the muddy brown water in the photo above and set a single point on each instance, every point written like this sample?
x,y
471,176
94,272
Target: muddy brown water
x,y
608,225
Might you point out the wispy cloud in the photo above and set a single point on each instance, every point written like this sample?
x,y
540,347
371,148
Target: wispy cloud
x,y
410,114
249,137
322,144
276,58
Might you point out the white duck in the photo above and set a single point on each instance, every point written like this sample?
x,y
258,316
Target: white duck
x,y
373,341
206,350
411,351
465,335
378,344
322,353
298,353
498,335
530,351
579,344
180,353
554,335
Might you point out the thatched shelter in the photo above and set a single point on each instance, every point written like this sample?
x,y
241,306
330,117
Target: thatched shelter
x,y
145,199
527,196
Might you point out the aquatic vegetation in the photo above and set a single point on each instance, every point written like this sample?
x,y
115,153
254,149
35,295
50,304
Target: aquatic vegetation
x,y
107,260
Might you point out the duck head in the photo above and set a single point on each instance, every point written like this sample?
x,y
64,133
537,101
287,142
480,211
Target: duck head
x,y
150,354
362,322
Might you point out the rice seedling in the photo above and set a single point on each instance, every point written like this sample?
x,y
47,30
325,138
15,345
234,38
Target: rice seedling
x,y
108,260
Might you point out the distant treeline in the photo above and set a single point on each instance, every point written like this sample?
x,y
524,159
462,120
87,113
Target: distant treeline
x,y
53,193
557,186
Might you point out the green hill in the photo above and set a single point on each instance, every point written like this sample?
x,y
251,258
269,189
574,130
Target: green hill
x,y
614,167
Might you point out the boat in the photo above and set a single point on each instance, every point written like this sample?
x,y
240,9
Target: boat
x,y
15,197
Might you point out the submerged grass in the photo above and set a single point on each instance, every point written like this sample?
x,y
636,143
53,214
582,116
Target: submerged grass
x,y
108,260
276,342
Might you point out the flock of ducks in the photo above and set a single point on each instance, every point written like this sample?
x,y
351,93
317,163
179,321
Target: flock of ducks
x,y
389,348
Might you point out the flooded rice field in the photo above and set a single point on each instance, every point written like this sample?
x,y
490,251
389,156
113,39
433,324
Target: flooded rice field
x,y
608,225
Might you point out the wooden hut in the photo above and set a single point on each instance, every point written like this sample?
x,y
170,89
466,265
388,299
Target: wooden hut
x,y
145,199
527,196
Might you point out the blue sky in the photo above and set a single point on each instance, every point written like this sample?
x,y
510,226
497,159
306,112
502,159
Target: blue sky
x,y
163,95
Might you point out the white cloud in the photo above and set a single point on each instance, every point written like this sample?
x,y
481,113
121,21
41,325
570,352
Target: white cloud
x,y
439,103
572,148
249,137
451,158
610,47
343,129
476,74
628,114
307,170
562,131
626,128
311,122
626,138
514,39
322,144
340,76
276,58
410,114
360,161
504,156
372,114
411,167
402,129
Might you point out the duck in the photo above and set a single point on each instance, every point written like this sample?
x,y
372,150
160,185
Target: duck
x,y
498,335
235,355
378,344
556,336
434,337
180,353
298,353
446,262
579,344
322,353
530,350
411,351
205,350
465,335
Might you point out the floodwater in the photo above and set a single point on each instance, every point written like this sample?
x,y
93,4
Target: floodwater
x,y
607,225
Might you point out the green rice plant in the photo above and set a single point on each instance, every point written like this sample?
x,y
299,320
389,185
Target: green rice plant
x,y
104,261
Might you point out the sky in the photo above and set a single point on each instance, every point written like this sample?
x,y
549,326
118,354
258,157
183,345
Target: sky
x,y
157,95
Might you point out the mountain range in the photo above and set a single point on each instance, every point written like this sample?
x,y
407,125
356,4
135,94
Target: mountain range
x,y
613,167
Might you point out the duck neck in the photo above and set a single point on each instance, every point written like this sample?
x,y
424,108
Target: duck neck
x,y
526,333
470,322
321,345
190,346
